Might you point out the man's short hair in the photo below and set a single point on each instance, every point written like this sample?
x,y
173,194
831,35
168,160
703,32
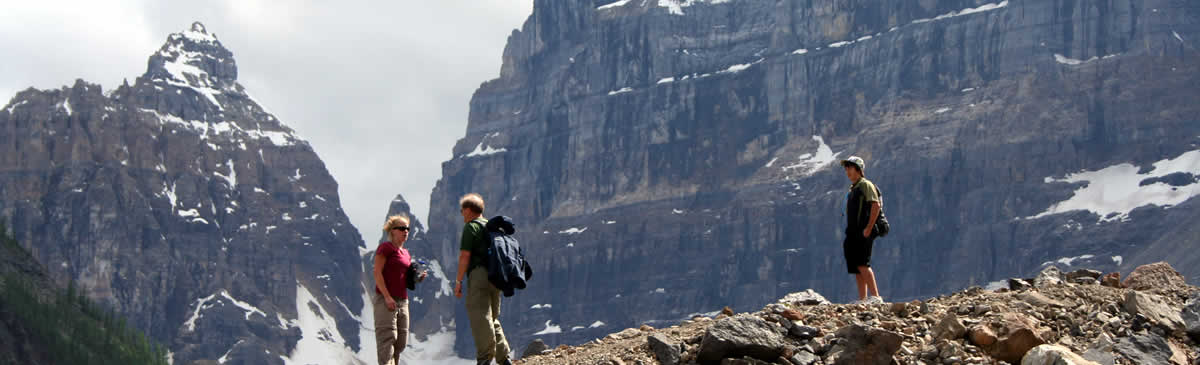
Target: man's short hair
x,y
395,221
472,201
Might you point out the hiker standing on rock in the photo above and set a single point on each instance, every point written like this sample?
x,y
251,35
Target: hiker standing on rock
x,y
863,205
390,301
483,298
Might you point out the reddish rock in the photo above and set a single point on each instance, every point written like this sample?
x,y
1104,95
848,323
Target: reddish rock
x,y
1112,280
982,336
1159,275
792,315
1019,335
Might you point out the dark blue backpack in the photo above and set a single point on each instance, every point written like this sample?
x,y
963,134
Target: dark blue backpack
x,y
506,265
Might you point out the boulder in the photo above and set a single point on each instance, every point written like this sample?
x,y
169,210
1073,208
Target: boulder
x,y
806,297
1048,277
864,345
803,332
1037,300
1019,334
1083,273
1112,280
982,336
1101,351
1015,284
666,351
803,357
1145,348
1191,317
1154,276
949,328
1153,308
741,335
1053,355
535,348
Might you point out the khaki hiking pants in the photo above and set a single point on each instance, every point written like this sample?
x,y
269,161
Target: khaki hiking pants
x,y
391,329
483,310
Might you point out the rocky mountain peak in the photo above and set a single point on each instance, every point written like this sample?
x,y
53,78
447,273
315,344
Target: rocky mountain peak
x,y
194,59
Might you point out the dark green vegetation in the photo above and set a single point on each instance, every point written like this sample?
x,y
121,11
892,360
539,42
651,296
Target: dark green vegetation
x,y
41,323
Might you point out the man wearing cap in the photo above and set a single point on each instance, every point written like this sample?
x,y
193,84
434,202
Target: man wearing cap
x,y
863,205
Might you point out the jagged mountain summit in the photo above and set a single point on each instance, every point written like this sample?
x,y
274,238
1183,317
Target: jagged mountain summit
x,y
665,158
188,208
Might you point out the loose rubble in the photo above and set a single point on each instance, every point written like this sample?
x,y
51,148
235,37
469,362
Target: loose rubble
x,y
1080,317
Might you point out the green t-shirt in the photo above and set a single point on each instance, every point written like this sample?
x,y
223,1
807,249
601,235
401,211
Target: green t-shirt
x,y
861,194
474,240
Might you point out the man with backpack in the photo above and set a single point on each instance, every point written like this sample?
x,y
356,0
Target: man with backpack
x,y
863,208
483,298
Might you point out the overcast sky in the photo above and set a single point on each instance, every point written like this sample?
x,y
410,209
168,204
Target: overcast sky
x,y
379,88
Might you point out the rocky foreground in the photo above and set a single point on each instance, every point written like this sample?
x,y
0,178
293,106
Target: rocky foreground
x,y
1080,317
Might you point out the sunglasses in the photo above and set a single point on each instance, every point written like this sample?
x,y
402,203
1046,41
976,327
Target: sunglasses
x,y
400,228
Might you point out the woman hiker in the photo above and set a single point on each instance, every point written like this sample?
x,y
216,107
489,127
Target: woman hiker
x,y
390,301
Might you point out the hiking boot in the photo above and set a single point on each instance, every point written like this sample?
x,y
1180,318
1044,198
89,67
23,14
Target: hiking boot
x,y
874,300
506,362
484,362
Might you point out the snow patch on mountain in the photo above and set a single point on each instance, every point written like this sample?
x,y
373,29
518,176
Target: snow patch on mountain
x,y
320,341
1115,191
810,163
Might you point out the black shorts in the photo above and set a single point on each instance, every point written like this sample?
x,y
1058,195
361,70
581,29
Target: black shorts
x,y
858,251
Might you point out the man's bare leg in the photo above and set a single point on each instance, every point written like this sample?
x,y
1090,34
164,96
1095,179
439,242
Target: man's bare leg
x,y
869,279
861,285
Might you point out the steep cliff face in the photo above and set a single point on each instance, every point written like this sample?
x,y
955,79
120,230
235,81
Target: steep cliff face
x,y
667,157
187,207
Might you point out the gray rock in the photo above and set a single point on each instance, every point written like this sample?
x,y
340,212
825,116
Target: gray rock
x,y
804,332
536,347
1053,355
666,351
1048,277
1191,317
741,335
1039,301
1143,348
1083,273
982,309
1016,284
806,297
1102,357
746,360
860,344
804,358
1153,308
1085,281
949,328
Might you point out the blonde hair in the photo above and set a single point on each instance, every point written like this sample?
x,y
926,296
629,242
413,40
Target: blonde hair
x,y
472,201
394,221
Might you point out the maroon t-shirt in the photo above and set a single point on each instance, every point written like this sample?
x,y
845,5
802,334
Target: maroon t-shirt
x,y
394,269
